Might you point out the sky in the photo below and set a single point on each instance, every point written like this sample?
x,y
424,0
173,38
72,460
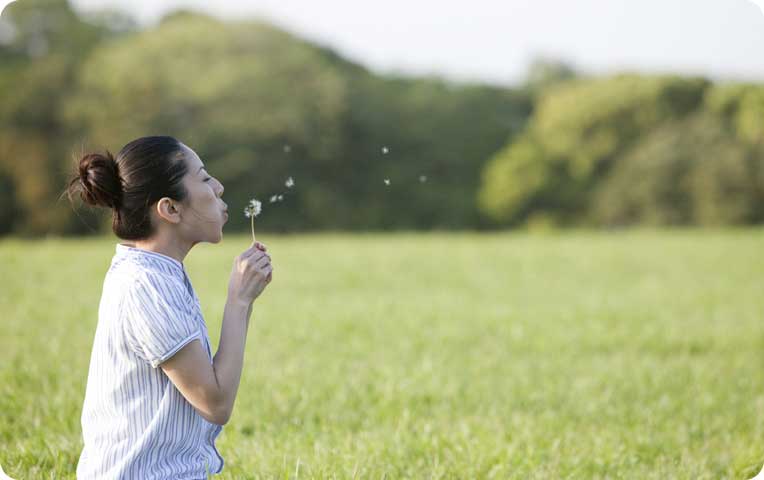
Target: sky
x,y
494,41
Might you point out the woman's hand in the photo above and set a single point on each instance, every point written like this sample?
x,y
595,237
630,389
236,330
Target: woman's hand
x,y
252,272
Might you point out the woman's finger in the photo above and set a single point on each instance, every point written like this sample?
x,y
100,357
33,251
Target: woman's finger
x,y
250,251
263,262
255,255
259,256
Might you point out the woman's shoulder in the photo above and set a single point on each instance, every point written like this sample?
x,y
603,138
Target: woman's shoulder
x,y
132,279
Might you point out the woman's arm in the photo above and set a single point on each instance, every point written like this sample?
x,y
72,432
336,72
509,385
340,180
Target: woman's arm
x,y
229,358
212,388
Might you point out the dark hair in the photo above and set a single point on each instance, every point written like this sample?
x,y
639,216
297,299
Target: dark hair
x,y
144,171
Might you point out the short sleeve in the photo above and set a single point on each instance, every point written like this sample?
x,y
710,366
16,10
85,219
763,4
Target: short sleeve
x,y
159,318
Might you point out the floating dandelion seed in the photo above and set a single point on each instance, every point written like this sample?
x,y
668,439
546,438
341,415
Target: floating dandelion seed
x,y
287,148
274,198
251,211
281,197
289,182
387,181
422,178
385,150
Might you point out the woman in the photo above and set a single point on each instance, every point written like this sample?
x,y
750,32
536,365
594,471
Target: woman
x,y
155,398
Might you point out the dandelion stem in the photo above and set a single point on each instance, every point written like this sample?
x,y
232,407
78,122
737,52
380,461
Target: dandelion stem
x,y
253,227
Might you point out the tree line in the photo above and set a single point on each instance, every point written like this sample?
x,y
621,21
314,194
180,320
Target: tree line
x,y
365,150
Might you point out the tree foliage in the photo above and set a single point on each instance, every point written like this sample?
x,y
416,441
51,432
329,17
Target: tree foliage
x,y
631,150
366,150
258,105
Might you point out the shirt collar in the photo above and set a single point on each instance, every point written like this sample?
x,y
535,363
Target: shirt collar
x,y
165,260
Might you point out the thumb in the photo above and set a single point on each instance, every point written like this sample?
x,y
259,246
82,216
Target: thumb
x,y
251,249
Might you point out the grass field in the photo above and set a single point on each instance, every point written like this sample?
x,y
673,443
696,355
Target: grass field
x,y
579,355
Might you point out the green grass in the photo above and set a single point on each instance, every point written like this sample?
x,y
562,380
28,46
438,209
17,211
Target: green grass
x,y
578,355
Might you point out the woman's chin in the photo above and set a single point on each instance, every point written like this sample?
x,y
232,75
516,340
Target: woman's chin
x,y
213,238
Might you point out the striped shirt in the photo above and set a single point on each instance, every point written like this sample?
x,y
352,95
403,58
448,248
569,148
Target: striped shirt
x,y
135,423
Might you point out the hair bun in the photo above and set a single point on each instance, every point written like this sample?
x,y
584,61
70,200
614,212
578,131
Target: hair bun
x,y
101,184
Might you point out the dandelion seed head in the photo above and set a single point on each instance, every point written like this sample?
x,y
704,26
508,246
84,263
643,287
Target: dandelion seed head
x,y
253,208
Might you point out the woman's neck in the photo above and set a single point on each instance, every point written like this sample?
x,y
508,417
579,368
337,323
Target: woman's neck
x,y
172,249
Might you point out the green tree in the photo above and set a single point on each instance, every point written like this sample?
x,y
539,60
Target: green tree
x,y
692,171
546,72
578,131
441,130
237,93
43,43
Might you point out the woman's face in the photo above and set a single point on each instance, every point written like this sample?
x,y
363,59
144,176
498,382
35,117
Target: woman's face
x,y
204,211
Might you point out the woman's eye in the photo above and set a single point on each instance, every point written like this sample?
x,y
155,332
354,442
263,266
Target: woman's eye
x,y
207,179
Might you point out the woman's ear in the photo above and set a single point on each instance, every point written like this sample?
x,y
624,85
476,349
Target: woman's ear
x,y
169,210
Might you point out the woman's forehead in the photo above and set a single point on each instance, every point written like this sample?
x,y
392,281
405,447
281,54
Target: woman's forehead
x,y
193,159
